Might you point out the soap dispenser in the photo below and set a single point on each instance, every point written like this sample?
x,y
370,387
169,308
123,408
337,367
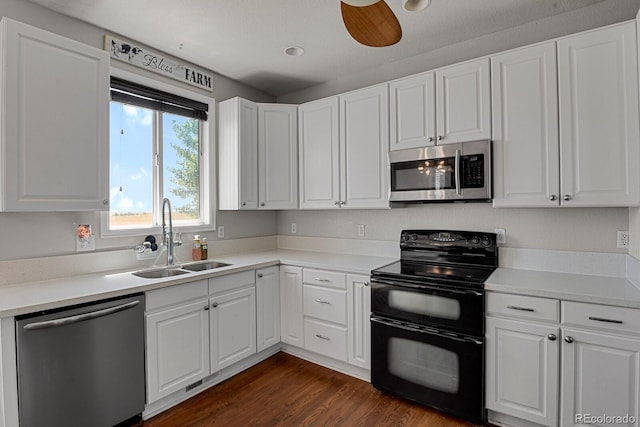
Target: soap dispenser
x,y
196,252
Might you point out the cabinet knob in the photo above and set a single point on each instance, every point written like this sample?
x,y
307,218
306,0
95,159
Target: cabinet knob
x,y
244,203
206,307
440,137
366,283
552,337
568,339
261,203
214,305
260,276
553,197
566,197
336,203
430,139
105,202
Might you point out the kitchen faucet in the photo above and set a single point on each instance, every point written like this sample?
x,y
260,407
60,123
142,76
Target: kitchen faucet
x,y
167,236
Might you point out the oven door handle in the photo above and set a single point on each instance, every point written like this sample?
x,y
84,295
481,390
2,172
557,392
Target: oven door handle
x,y
458,174
429,331
427,287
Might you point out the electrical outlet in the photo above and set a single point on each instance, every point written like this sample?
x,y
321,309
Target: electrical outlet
x,y
623,240
501,236
220,232
360,230
294,228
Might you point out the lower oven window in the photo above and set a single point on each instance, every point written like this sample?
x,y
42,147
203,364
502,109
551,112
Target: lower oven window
x,y
425,304
424,364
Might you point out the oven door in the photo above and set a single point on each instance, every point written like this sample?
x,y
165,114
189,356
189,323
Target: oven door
x,y
455,309
444,371
444,172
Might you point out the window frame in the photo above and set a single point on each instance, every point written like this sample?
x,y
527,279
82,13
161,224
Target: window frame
x,y
208,180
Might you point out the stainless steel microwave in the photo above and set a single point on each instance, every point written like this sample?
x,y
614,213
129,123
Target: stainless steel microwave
x,y
451,172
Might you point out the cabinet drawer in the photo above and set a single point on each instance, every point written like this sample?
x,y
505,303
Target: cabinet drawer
x,y
232,281
326,304
522,306
322,338
324,278
175,294
619,319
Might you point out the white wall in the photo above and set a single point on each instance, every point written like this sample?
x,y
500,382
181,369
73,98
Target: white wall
x,y
575,229
26,235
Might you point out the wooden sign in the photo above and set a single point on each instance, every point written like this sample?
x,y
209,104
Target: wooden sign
x,y
144,57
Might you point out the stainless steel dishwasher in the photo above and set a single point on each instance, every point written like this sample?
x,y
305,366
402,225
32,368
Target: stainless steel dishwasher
x,y
82,365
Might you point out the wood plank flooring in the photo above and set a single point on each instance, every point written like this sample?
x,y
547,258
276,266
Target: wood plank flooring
x,y
287,391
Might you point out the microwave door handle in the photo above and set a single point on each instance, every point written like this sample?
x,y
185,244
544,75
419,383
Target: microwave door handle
x,y
458,186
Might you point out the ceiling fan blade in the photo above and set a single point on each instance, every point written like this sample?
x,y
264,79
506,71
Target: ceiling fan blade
x,y
375,25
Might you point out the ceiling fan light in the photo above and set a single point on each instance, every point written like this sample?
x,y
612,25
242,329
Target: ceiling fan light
x,y
415,5
360,3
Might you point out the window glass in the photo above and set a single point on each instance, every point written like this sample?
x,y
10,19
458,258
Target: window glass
x,y
131,167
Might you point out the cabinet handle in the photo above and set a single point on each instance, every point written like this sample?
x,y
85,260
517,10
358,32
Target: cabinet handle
x,y
337,203
261,203
260,275
552,337
323,280
440,137
214,305
602,319
553,197
244,203
430,139
105,202
513,307
206,307
568,339
323,337
566,197
366,283
321,301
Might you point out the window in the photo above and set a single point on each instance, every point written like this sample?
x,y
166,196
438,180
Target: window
x,y
159,148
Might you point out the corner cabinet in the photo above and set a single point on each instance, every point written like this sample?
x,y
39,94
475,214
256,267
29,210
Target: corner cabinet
x,y
268,306
574,144
258,155
344,144
54,141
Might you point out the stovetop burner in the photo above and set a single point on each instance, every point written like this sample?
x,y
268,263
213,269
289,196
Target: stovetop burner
x,y
457,258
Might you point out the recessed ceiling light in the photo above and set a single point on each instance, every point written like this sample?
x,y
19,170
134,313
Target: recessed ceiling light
x,y
294,51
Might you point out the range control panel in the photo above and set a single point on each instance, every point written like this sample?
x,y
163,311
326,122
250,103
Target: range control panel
x,y
461,239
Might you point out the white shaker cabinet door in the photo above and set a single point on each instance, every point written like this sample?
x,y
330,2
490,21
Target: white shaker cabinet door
x,y
522,370
319,154
412,118
599,129
268,306
524,115
364,139
55,122
358,323
600,376
277,156
463,105
177,348
291,316
233,327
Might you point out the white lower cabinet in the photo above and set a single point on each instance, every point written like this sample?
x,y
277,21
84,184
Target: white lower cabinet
x,y
358,321
291,305
177,329
268,307
196,329
581,368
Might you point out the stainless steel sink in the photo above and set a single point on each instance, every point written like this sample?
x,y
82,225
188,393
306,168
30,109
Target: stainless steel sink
x,y
201,266
159,273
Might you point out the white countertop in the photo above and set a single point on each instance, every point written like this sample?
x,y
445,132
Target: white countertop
x,y
571,287
46,294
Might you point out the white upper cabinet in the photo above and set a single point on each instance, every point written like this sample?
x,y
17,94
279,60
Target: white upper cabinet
x,y
238,154
599,135
319,156
344,144
525,127
257,149
412,118
277,156
54,140
364,138
447,106
463,105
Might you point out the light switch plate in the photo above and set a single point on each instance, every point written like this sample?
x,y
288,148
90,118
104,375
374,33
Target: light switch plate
x,y
220,232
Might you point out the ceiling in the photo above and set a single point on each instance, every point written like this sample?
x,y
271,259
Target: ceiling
x,y
245,39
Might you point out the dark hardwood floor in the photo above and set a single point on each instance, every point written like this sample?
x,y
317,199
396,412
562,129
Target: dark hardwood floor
x,y
287,391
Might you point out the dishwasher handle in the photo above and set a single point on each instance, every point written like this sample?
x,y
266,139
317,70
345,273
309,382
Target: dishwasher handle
x,y
80,317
